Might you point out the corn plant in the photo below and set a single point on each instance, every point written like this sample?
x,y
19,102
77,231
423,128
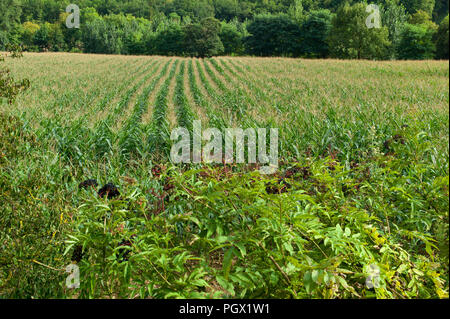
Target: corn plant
x,y
158,136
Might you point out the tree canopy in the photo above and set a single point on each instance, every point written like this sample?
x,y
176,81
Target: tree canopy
x,y
307,28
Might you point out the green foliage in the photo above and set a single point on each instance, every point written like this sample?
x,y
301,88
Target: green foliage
x,y
420,17
416,43
440,10
223,234
351,38
169,41
185,28
29,30
227,10
315,31
101,37
50,37
393,16
9,87
442,36
273,35
202,39
232,39
9,20
413,6
28,239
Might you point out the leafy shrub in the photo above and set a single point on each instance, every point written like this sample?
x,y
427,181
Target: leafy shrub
x,y
32,223
442,36
220,232
9,87
416,43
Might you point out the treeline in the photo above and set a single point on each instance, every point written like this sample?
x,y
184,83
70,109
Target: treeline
x,y
410,29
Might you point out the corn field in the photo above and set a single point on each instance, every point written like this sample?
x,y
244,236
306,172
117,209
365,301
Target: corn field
x,y
363,179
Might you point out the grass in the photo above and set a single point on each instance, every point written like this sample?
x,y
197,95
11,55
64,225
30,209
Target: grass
x,y
363,179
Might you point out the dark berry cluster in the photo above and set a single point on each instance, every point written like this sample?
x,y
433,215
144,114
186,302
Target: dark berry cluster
x,y
110,190
280,187
77,254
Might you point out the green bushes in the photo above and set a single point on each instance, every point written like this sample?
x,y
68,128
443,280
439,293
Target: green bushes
x,y
442,36
202,39
168,42
153,268
9,87
315,31
360,183
351,38
224,234
32,222
232,39
273,36
416,43
274,28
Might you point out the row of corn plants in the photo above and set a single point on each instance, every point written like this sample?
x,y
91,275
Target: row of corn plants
x,y
236,103
76,141
104,138
130,138
158,132
184,113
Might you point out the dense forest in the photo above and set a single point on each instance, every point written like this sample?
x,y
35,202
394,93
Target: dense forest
x,y
410,29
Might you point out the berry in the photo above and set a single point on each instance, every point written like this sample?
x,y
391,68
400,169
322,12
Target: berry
x,y
110,190
77,254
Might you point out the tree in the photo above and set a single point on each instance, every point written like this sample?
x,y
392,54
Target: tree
x,y
175,27
351,38
72,36
422,17
315,31
101,37
202,39
9,21
416,43
49,37
231,38
440,10
9,87
442,40
32,10
296,11
168,41
137,8
198,10
226,10
273,35
412,6
134,35
29,30
393,16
